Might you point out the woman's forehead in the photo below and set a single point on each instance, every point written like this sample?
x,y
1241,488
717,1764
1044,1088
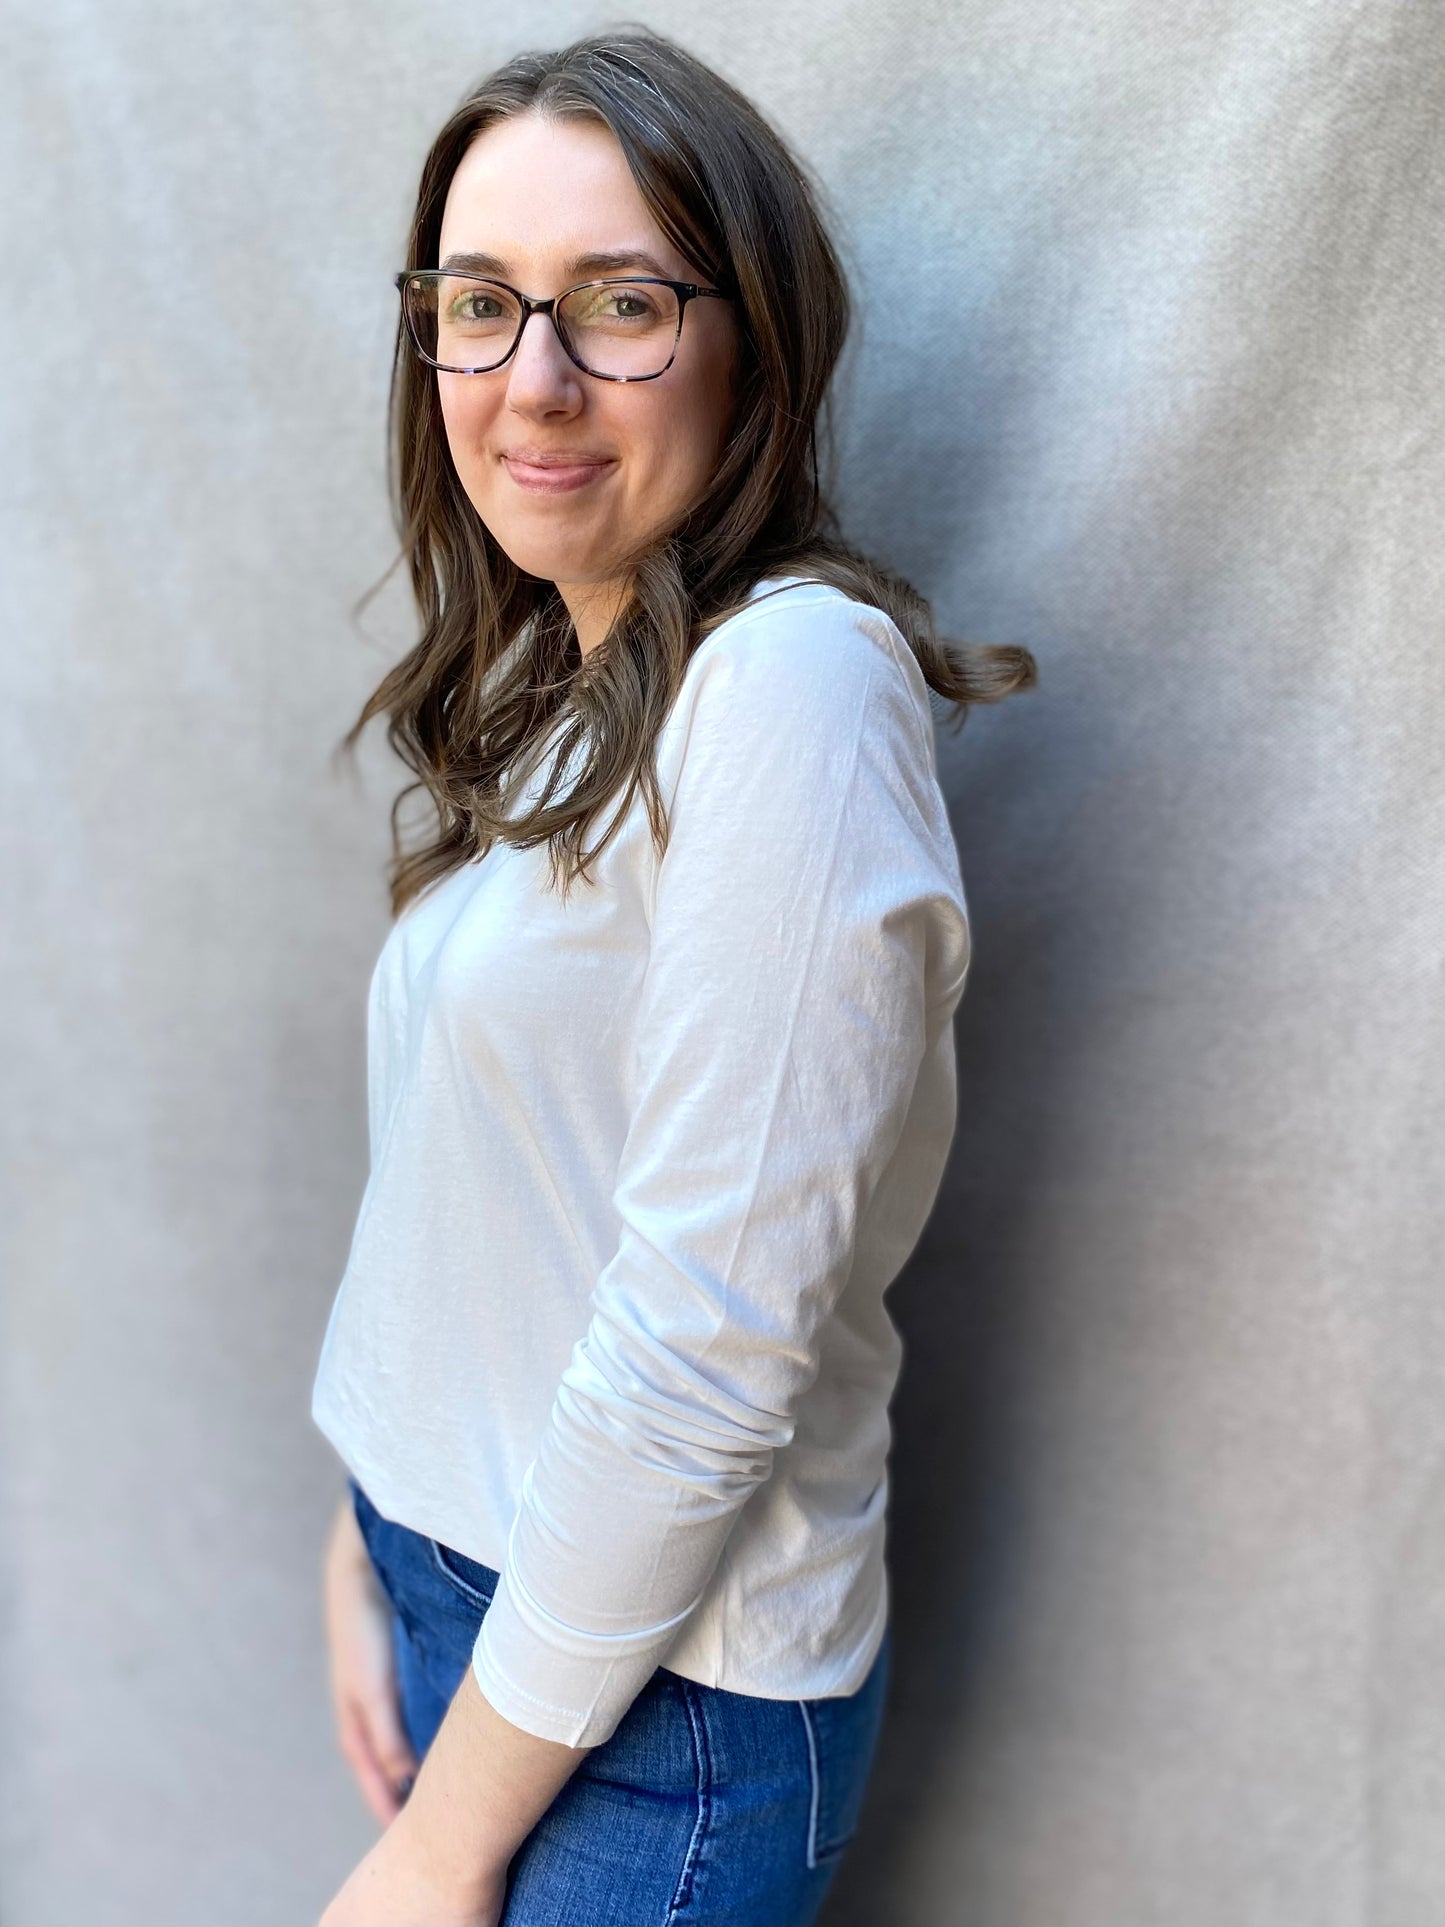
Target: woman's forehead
x,y
533,194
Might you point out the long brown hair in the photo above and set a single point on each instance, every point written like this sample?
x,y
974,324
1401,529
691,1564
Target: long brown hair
x,y
498,659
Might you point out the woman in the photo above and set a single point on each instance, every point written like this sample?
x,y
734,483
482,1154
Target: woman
x,y
654,1122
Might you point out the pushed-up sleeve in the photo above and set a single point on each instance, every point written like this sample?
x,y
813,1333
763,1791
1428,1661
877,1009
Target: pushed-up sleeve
x,y
808,942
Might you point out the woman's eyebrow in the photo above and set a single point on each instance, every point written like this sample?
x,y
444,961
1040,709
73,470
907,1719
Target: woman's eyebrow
x,y
580,265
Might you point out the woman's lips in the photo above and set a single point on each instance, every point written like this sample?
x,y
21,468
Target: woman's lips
x,y
555,478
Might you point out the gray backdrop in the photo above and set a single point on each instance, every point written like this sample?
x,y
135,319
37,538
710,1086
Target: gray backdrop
x,y
1149,379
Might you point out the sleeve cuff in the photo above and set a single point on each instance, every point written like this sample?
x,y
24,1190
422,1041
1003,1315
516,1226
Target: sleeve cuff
x,y
555,1681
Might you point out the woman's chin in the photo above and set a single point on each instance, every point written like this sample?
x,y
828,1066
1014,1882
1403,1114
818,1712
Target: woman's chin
x,y
553,563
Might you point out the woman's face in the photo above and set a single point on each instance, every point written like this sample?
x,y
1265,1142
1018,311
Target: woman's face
x,y
536,195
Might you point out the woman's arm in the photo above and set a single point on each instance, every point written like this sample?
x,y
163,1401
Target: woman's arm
x,y
483,1786
481,1789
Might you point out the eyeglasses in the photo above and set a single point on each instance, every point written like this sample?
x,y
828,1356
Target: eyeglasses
x,y
618,329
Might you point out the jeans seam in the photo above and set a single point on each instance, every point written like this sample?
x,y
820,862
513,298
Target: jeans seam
x,y
454,1579
815,1789
702,1759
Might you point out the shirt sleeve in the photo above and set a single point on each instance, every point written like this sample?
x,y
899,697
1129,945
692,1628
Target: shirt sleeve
x,y
808,942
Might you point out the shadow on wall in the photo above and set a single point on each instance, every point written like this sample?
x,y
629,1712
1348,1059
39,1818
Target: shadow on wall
x,y
913,478
925,439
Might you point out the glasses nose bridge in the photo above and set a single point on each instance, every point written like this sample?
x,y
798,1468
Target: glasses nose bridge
x,y
531,305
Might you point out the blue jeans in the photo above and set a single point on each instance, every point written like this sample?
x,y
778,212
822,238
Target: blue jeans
x,y
704,1808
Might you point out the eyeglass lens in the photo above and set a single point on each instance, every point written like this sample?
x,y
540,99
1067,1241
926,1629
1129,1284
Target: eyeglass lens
x,y
620,328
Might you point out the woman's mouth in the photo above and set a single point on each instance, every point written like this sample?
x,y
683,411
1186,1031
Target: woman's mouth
x,y
555,476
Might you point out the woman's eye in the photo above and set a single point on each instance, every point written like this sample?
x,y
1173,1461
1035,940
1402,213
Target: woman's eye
x,y
619,304
633,305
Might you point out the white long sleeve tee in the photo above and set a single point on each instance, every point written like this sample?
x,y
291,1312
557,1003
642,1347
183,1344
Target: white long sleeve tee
x,y
642,1168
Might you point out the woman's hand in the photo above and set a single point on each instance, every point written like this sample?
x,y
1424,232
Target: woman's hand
x,y
363,1671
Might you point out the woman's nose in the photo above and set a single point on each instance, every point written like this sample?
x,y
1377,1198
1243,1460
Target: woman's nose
x,y
541,373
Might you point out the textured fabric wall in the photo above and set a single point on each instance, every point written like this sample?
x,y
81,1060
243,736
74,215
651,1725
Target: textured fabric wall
x,y
1149,378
